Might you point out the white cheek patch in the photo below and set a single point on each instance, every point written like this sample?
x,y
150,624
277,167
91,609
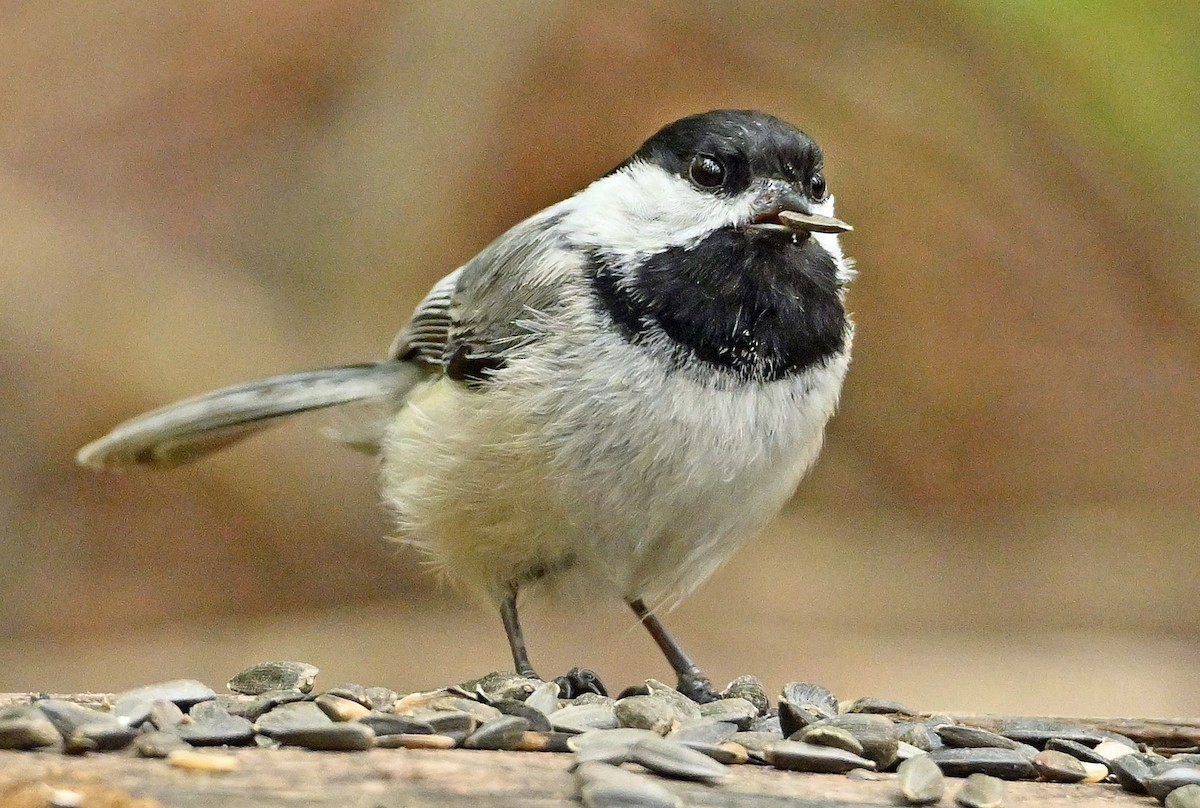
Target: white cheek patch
x,y
643,210
832,245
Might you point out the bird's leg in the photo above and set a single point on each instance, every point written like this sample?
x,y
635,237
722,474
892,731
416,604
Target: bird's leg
x,y
577,680
516,639
692,681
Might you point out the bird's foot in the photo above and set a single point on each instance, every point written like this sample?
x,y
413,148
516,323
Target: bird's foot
x,y
578,681
696,686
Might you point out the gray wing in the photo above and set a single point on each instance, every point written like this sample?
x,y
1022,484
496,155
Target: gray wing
x,y
474,318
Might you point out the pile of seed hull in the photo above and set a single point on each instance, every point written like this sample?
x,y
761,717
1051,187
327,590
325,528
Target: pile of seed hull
x,y
652,725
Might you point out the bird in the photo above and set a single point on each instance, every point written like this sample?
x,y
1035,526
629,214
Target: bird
x,y
610,399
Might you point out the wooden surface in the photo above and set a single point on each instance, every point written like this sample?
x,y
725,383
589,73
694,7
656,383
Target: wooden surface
x,y
1166,733
391,778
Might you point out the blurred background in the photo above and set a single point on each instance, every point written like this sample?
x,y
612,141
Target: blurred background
x,y
1004,518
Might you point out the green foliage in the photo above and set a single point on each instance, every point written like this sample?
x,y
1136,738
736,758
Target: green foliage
x,y
1127,71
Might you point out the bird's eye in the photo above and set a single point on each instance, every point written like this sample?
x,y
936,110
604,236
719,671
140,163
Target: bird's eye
x,y
706,171
817,186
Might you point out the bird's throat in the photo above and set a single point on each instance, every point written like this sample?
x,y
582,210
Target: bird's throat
x,y
757,306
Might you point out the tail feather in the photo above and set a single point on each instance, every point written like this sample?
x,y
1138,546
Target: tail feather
x,y
187,430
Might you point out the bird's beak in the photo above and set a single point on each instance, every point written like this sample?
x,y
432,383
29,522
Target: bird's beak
x,y
780,208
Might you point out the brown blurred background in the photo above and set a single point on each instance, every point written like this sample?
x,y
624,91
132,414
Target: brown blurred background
x,y
1005,516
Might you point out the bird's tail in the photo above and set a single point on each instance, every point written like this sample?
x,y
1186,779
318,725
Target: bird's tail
x,y
187,430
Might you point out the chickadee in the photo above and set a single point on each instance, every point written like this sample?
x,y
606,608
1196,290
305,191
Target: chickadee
x,y
614,395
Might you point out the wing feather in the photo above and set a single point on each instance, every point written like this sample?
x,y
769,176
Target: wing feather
x,y
481,312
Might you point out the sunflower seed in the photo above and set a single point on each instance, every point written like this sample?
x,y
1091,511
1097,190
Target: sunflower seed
x,y
904,751
446,722
64,798
1081,752
865,775
26,727
734,710
1184,797
255,707
207,710
604,786
202,761
132,712
877,706
380,698
67,716
703,730
501,685
293,716
671,759
876,733
830,736
607,745
183,692
581,718
406,741
340,708
499,733
813,222
1038,731
1110,750
649,712
962,736
686,708
980,791
538,722
100,737
1171,777
728,754
793,719
919,735
921,781
388,724
1134,770
84,729
441,701
751,689
755,742
349,736
767,723
807,757
544,698
1007,764
165,715
351,691
221,730
1059,767
810,697
266,676
543,742
158,744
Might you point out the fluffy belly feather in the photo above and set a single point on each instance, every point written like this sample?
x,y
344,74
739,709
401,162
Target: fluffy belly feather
x,y
641,484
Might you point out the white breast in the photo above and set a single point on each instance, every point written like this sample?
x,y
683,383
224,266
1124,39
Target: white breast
x,y
589,461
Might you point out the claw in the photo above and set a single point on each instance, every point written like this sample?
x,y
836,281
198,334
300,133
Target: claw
x,y
578,681
697,687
